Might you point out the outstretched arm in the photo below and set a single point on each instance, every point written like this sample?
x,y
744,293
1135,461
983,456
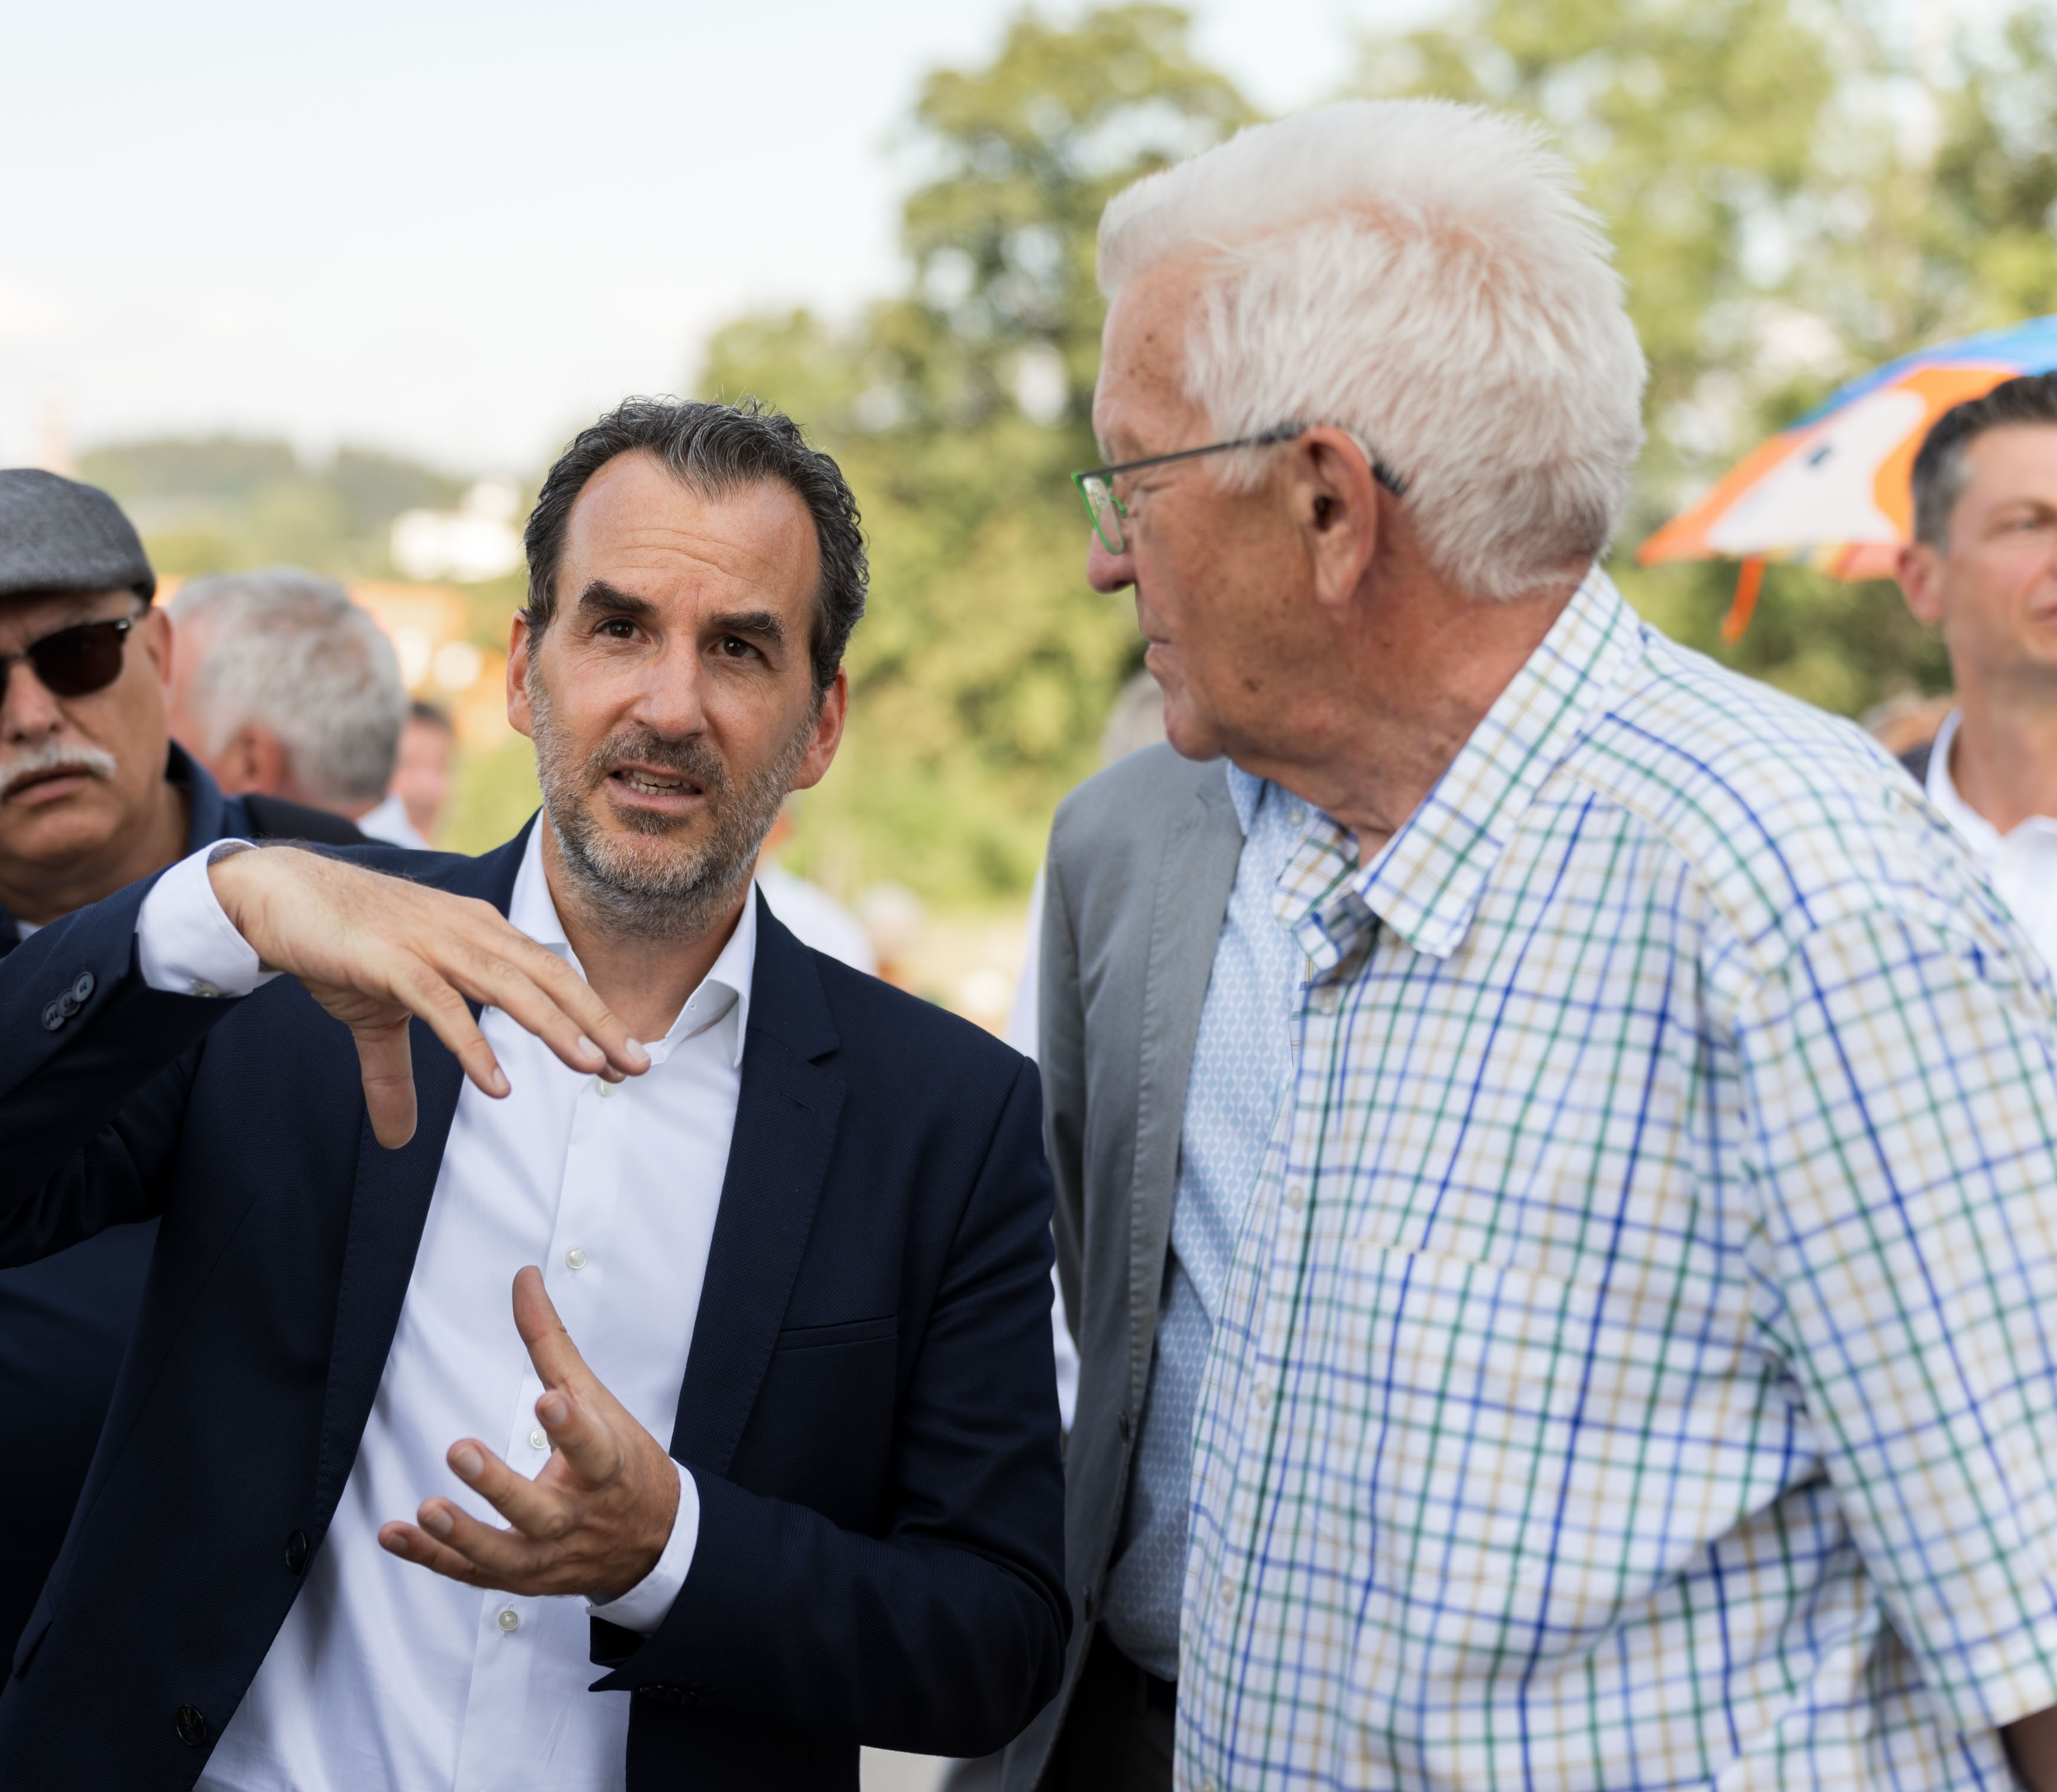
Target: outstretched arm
x,y
375,950
98,1036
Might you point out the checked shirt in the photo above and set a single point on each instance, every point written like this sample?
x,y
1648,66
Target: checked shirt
x,y
1637,1367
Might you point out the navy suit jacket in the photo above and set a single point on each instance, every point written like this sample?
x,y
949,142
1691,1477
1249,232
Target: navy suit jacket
x,y
868,1409
65,1321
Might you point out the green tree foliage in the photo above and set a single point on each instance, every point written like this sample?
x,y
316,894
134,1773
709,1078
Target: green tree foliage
x,y
227,502
1795,195
958,408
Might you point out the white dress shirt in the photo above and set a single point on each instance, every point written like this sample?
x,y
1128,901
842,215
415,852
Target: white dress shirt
x,y
386,1675
2022,863
389,823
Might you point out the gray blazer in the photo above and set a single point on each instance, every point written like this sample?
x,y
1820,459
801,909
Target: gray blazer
x,y
1142,860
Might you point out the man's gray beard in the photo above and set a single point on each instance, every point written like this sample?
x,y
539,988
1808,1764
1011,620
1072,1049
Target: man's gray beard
x,y
680,895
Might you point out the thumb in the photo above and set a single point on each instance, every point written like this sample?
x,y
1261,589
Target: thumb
x,y
558,1363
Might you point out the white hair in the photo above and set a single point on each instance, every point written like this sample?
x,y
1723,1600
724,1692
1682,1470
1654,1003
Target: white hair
x,y
288,650
1421,274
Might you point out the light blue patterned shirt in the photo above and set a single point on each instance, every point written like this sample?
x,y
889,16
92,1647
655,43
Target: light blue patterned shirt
x,y
1242,1059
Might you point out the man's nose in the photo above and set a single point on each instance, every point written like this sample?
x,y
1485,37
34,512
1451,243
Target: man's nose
x,y
671,700
28,712
1106,572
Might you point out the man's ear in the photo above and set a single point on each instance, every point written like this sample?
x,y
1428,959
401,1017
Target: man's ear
x,y
156,628
253,760
519,715
1920,571
1335,503
827,736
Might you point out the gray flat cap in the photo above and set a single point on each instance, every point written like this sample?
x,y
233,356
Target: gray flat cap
x,y
58,535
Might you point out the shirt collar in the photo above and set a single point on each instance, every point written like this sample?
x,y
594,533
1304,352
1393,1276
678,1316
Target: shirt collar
x,y
1246,792
1978,834
1425,882
725,985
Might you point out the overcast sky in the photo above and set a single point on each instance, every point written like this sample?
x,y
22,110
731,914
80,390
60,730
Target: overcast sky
x,y
460,230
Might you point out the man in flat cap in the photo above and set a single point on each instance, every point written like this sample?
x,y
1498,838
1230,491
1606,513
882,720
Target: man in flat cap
x,y
92,796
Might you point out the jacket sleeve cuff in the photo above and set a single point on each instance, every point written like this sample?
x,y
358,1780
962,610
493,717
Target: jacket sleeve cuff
x,y
643,1607
185,944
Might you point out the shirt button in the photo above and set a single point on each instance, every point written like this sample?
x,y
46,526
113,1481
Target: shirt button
x,y
203,988
602,1088
1226,1594
539,1439
509,1620
1326,997
1296,818
575,1259
1296,1197
1263,1397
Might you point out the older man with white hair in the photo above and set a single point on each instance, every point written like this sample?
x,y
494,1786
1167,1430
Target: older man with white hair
x,y
1555,1145
284,686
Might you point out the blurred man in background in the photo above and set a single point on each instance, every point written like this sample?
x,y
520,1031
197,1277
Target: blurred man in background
x,y
283,687
816,917
1553,1149
421,774
1982,567
92,796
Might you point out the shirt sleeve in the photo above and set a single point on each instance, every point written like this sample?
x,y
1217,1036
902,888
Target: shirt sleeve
x,y
184,942
642,1608
1901,1083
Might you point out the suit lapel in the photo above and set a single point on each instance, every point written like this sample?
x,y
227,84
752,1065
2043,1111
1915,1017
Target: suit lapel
x,y
389,1206
1195,874
786,1119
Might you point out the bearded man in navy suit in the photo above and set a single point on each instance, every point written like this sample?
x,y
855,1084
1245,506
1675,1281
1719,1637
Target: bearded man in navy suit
x,y
770,1432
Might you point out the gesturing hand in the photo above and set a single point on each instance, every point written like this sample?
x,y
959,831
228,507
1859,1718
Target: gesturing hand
x,y
593,1522
374,949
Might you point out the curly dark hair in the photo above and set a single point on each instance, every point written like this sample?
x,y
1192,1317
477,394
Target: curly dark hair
x,y
713,449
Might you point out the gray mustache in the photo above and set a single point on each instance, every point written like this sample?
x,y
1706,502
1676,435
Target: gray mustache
x,y
54,755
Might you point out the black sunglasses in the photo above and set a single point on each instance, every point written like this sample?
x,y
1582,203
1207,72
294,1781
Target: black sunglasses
x,y
73,662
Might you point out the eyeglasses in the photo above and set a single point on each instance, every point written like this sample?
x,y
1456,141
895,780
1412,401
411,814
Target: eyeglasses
x,y
1107,512
73,662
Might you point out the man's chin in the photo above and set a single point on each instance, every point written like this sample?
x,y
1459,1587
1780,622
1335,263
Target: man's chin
x,y
58,833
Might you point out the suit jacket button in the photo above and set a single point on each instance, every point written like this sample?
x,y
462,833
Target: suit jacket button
x,y
81,987
53,1017
296,1551
1126,1427
191,1725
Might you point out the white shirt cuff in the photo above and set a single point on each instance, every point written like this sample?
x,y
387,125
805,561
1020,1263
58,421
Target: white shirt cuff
x,y
642,1608
184,941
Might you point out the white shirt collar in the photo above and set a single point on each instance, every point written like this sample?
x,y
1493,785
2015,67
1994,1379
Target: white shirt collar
x,y
1983,838
725,985
1981,835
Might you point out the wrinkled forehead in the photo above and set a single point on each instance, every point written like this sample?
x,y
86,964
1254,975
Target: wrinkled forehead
x,y
2014,461
28,616
1142,399
638,526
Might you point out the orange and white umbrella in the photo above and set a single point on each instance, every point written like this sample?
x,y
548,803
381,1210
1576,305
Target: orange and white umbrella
x,y
1834,491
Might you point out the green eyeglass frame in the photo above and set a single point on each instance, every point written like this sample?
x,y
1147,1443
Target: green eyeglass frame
x,y
1107,512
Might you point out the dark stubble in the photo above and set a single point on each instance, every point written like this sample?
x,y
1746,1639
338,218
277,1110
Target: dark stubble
x,y
686,872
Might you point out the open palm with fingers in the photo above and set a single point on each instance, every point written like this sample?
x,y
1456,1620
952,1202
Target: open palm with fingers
x,y
375,950
596,1518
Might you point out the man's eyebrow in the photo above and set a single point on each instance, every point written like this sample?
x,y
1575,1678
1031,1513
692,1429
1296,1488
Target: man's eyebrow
x,y
600,598
765,625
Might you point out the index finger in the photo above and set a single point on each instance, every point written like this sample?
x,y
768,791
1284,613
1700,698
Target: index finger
x,y
536,990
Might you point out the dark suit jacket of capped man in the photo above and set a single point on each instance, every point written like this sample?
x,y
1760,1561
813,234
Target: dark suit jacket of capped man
x,y
65,1321
868,1410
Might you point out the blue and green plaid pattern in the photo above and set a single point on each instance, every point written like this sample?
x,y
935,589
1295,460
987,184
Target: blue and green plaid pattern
x,y
1638,1366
